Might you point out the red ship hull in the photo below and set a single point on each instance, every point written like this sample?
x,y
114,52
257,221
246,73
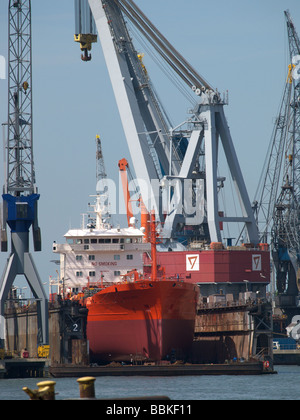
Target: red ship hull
x,y
142,320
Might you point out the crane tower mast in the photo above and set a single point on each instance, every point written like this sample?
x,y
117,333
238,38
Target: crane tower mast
x,y
20,168
20,198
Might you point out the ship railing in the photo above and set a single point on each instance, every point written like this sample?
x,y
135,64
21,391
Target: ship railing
x,y
219,246
281,346
142,247
212,305
263,352
228,303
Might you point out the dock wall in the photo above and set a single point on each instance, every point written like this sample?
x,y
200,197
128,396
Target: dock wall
x,y
233,331
21,330
222,333
67,328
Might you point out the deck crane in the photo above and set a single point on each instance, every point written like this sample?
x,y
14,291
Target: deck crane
x,y
20,198
278,195
164,161
102,187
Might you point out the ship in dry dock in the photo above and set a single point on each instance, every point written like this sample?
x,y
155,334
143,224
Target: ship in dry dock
x,y
142,303
134,316
177,174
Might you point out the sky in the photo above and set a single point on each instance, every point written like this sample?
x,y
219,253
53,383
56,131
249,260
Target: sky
x,y
237,45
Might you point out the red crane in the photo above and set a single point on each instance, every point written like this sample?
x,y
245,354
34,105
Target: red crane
x,y
145,217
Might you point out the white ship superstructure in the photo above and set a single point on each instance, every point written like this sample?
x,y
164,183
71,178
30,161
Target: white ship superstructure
x,y
99,253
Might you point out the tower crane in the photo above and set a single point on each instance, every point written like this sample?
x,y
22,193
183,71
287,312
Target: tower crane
x,y
101,178
20,198
278,195
165,161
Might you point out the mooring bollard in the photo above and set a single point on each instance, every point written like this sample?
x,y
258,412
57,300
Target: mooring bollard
x,y
44,392
47,388
87,387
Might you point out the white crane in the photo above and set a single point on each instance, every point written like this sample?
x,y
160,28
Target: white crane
x,y
163,162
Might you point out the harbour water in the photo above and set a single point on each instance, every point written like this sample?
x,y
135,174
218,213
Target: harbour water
x,y
285,385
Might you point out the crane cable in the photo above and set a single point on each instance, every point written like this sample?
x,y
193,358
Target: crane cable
x,y
163,47
176,81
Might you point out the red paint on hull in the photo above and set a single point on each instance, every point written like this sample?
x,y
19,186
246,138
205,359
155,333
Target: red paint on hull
x,y
141,319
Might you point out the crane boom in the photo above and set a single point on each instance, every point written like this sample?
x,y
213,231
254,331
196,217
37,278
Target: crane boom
x,y
163,46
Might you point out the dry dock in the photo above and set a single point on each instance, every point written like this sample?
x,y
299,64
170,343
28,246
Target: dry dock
x,y
230,339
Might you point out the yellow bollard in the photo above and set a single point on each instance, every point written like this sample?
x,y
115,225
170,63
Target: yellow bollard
x,y
45,391
87,387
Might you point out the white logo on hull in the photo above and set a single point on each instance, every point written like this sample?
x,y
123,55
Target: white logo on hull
x,y
192,262
256,262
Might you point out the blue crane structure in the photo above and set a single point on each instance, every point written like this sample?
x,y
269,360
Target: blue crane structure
x,y
20,197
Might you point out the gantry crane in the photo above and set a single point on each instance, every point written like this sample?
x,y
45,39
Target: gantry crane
x,y
166,162
20,198
278,196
